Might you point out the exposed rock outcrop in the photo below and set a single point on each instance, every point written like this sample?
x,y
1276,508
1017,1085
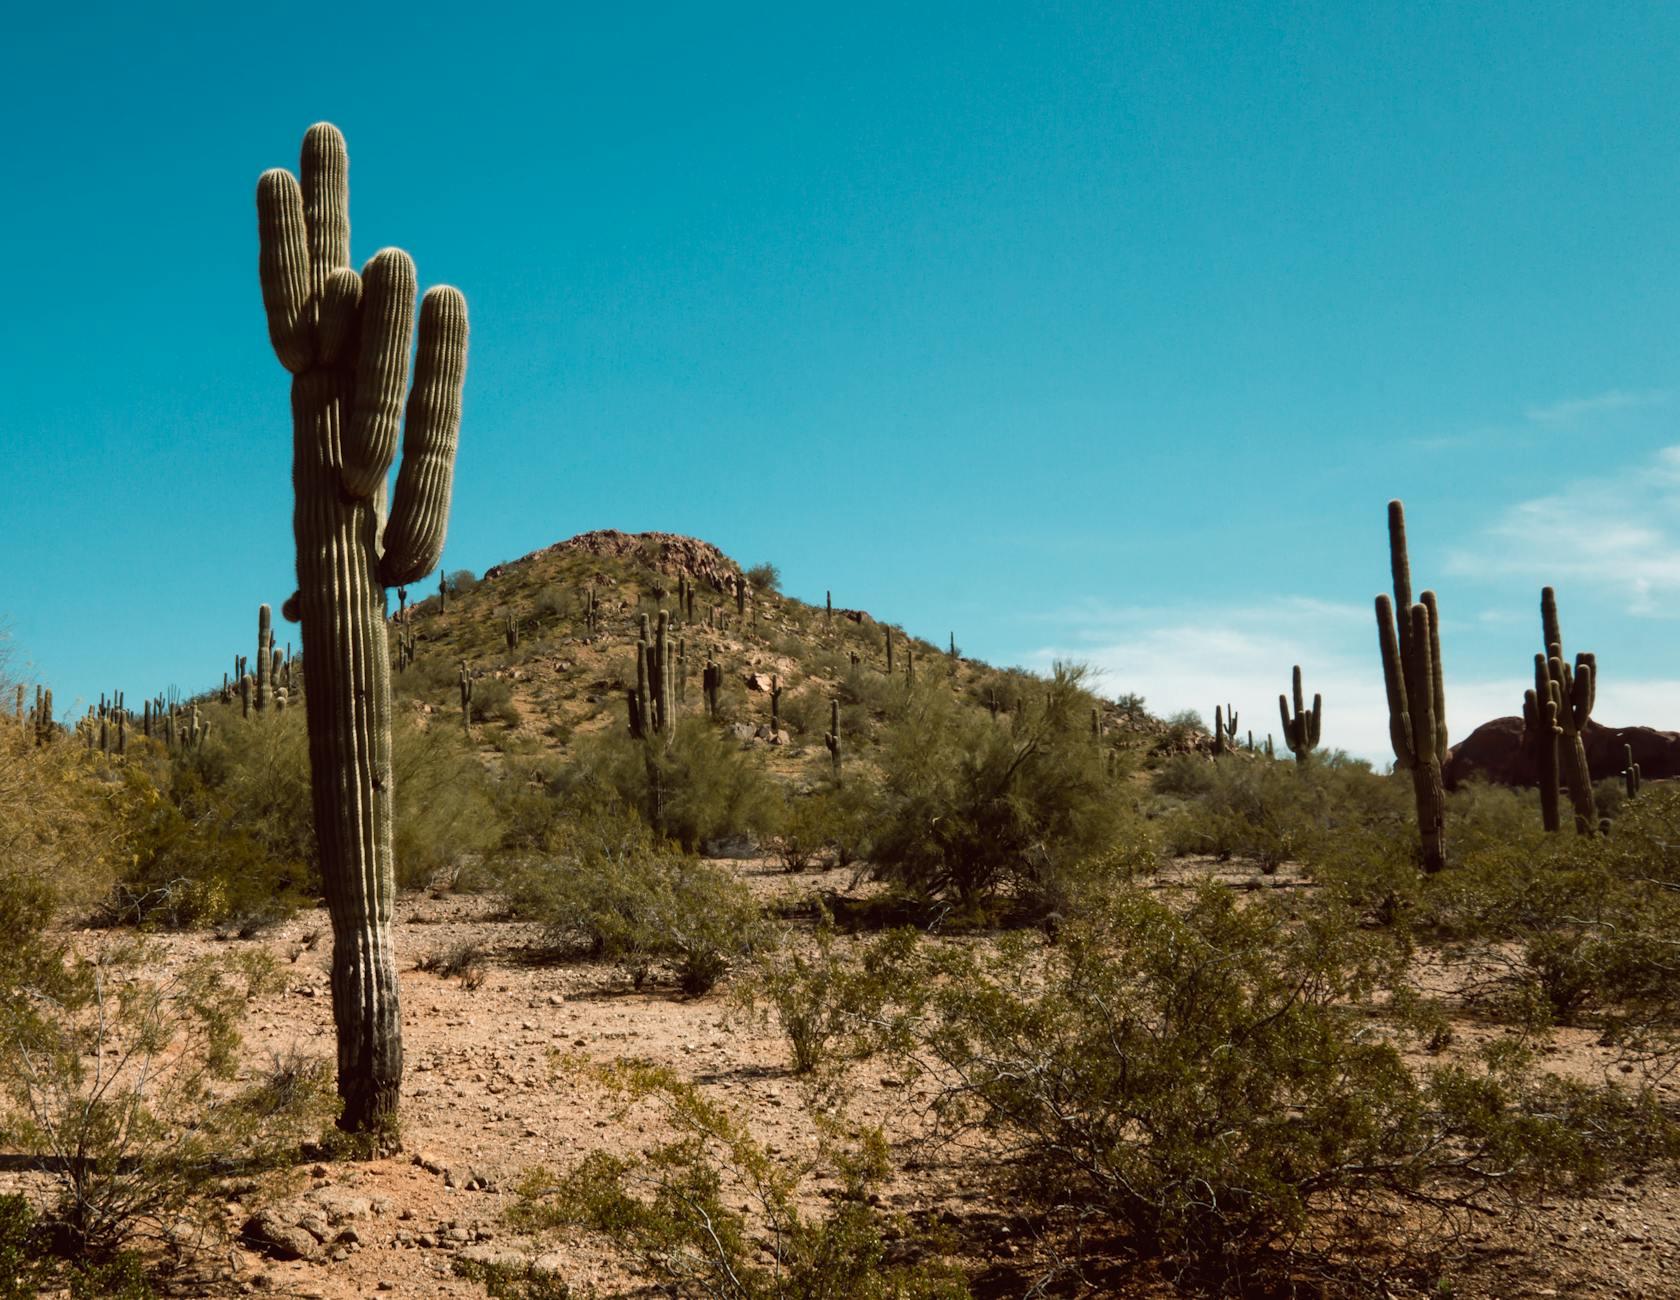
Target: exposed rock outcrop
x,y
1494,752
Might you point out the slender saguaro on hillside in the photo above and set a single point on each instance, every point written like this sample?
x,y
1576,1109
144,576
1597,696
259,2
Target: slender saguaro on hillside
x,y
265,657
1576,690
345,339
1417,700
1300,729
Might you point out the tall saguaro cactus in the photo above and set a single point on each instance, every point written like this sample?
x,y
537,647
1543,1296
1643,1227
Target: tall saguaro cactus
x,y
345,339
1417,700
1576,691
265,657
1301,729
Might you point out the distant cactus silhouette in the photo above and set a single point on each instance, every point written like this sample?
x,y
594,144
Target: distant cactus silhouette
x,y
831,738
1301,729
1540,737
265,659
345,339
1630,773
1224,729
1576,690
711,681
1417,705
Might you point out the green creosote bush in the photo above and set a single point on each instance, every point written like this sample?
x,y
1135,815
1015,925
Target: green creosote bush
x,y
609,890
974,806
709,787
493,701
712,1213
835,998
225,833
461,581
122,1084
1203,1079
1268,813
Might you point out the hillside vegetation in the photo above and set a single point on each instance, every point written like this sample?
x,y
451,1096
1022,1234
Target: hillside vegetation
x,y
1065,996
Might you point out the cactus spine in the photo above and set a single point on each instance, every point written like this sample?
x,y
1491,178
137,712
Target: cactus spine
x,y
1576,692
1417,706
1301,729
345,339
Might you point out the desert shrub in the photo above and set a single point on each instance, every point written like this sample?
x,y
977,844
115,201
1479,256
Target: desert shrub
x,y
461,581
972,806
230,837
447,811
493,701
765,577
702,786
464,961
115,1080
832,997
1203,1079
807,826
56,826
1271,812
611,891
713,1213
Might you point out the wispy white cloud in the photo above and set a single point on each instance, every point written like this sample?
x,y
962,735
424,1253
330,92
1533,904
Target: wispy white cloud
x,y
1619,533
1616,399
1196,657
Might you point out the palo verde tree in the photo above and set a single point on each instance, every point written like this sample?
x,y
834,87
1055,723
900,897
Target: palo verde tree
x,y
345,339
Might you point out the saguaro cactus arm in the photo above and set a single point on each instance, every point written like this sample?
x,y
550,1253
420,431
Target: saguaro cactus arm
x,y
345,339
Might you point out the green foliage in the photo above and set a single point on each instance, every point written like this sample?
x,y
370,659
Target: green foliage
x,y
765,577
833,997
610,890
510,1281
712,1213
1269,812
226,831
115,1080
493,701
1201,1078
701,787
973,805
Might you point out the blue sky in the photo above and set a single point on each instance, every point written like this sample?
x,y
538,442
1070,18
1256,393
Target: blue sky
x,y
1093,330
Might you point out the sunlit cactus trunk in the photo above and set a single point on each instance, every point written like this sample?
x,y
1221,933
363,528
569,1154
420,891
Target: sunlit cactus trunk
x,y
1575,689
345,338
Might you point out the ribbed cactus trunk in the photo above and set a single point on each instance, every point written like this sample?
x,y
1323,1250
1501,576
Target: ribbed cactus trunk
x,y
265,654
1540,735
1409,636
345,339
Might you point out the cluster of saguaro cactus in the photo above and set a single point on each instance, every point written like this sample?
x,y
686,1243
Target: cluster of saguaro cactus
x,y
1574,689
345,340
711,682
831,737
652,712
1302,728
1631,773
1409,636
1224,729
